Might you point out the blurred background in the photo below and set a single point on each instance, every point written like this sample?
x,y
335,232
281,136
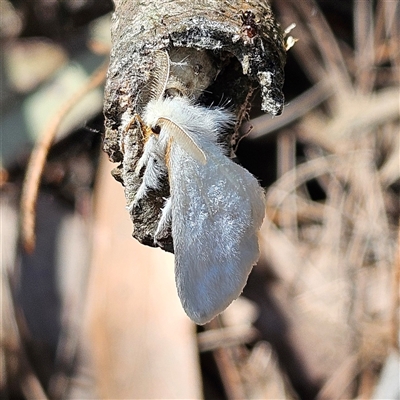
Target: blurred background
x,y
93,314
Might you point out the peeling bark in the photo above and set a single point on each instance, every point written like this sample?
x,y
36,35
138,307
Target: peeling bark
x,y
231,49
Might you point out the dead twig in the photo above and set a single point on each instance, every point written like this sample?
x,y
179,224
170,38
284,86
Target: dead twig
x,y
364,43
327,44
229,372
340,380
226,337
297,108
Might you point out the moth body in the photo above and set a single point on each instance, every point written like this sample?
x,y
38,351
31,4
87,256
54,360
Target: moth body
x,y
215,209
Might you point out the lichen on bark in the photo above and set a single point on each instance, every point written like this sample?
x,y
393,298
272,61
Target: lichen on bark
x,y
232,48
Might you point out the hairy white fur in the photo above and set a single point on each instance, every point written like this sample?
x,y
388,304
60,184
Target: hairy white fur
x,y
216,206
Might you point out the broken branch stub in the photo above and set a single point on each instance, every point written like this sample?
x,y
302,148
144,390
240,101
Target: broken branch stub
x,y
220,53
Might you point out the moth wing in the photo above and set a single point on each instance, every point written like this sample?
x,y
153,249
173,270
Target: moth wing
x,y
217,211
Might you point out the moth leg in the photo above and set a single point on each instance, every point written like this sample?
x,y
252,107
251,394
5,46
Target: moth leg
x,y
165,221
152,178
148,149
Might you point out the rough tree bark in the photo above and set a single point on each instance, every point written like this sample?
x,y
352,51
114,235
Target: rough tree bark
x,y
232,48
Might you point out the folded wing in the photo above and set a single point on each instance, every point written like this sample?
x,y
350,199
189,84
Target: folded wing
x,y
217,211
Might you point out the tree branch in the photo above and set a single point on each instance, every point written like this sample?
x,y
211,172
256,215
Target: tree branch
x,y
231,48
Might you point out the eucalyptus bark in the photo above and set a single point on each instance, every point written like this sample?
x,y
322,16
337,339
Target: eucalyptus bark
x,y
232,48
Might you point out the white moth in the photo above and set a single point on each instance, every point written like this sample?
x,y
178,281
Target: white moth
x,y
215,209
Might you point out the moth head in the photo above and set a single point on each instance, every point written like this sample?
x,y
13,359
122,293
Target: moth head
x,y
176,88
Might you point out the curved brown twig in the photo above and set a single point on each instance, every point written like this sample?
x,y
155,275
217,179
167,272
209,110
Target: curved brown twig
x,y
38,157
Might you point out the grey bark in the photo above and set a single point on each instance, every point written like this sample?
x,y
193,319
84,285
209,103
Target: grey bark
x,y
233,48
